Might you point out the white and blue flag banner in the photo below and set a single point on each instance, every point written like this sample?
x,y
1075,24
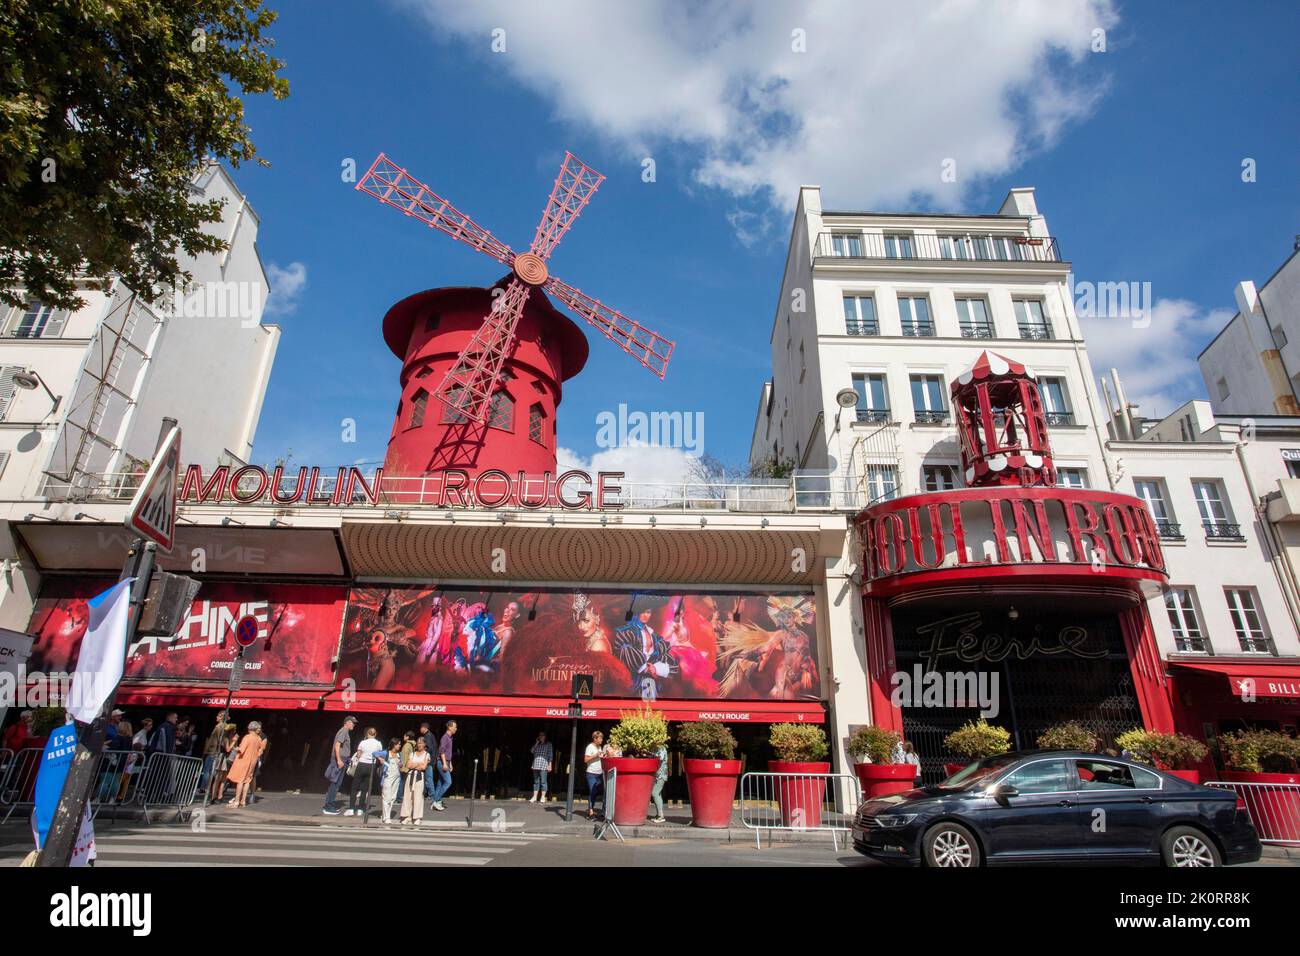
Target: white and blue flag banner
x,y
103,652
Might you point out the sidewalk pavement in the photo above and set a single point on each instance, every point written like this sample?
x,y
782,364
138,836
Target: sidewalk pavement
x,y
518,815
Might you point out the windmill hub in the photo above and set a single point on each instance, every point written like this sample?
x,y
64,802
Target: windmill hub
x,y
530,269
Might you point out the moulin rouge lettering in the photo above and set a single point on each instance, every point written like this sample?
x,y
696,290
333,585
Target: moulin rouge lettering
x,y
1105,530
571,490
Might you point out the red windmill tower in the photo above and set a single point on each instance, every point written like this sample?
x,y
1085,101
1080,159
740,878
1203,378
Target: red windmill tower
x,y
1001,424
483,368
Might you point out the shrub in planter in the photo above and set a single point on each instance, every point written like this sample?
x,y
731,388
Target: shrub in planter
x,y
1137,743
1070,735
977,739
1266,756
711,771
1177,754
800,749
47,719
878,774
637,736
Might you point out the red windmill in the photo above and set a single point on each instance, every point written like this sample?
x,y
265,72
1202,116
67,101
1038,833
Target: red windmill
x,y
467,389
1001,424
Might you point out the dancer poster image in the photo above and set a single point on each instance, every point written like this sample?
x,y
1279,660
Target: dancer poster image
x,y
740,646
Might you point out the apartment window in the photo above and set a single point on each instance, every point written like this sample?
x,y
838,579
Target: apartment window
x,y
898,247
1072,477
860,315
536,420
424,372
1056,404
1246,621
954,247
938,477
1152,491
501,412
1292,468
1223,389
882,482
1215,518
846,244
1031,320
1180,605
927,399
7,388
873,397
973,317
419,404
39,321
914,314
453,401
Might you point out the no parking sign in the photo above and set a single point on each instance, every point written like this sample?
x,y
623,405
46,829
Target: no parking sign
x,y
246,630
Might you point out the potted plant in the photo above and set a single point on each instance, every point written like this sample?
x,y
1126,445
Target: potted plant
x,y
711,772
800,749
872,749
1175,754
637,736
45,720
975,740
1070,735
1266,756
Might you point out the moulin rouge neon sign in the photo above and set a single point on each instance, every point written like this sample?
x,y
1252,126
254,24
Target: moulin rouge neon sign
x,y
571,490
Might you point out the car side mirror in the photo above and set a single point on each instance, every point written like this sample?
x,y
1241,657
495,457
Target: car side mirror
x,y
1004,790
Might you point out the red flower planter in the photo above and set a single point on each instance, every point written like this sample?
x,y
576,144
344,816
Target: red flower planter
x,y
882,779
635,780
952,768
800,800
1191,776
1275,813
712,788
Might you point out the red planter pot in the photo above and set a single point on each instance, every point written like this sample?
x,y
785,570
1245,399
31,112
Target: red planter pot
x,y
952,768
800,800
635,780
712,788
882,779
1275,813
1191,776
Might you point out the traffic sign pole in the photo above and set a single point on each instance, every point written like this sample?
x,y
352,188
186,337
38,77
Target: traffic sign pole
x,y
575,709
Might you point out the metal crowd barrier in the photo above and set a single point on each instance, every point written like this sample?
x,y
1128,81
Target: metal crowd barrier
x,y
168,781
1274,808
18,782
799,801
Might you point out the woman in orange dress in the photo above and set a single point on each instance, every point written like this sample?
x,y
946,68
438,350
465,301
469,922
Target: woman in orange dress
x,y
241,770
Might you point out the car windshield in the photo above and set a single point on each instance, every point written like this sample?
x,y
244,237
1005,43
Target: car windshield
x,y
977,772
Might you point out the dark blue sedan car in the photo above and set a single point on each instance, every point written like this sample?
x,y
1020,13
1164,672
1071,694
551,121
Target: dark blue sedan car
x,y
1057,806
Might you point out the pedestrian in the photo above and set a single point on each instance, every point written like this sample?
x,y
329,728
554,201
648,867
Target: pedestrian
x,y
134,758
543,756
116,755
363,762
257,767
212,748
163,740
595,773
910,756
413,801
661,777
162,750
185,736
392,777
225,756
336,770
443,767
20,734
146,731
408,748
431,744
241,768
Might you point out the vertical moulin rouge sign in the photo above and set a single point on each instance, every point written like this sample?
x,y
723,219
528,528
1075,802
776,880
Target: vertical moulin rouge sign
x,y
298,633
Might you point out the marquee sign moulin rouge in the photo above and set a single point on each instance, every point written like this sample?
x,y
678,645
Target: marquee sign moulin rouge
x,y
571,490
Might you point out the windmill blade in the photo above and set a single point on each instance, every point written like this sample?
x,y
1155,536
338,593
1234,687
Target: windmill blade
x,y
391,184
573,189
649,348
468,388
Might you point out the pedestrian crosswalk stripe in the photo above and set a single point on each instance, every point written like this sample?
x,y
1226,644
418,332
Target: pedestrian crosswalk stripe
x,y
259,854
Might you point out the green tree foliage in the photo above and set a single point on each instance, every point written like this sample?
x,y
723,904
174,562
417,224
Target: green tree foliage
x,y
107,109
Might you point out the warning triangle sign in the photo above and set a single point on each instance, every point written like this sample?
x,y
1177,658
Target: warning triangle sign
x,y
583,686
153,510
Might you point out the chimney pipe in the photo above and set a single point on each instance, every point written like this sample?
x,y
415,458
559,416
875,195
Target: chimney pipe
x,y
1124,412
1111,415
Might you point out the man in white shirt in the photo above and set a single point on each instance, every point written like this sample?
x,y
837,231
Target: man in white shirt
x,y
359,801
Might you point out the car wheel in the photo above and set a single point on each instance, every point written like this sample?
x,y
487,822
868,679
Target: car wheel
x,y
951,844
1187,846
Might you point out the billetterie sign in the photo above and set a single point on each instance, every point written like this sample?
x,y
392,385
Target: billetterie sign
x,y
571,490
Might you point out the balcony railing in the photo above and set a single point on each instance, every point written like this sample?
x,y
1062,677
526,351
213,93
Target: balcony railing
x,y
1169,530
976,332
877,415
1060,418
862,328
929,417
850,244
918,330
1037,332
1222,531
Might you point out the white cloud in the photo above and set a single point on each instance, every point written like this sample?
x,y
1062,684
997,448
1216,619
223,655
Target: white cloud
x,y
643,464
1157,363
883,95
287,284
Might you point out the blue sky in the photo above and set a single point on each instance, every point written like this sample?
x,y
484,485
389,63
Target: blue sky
x,y
1136,154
